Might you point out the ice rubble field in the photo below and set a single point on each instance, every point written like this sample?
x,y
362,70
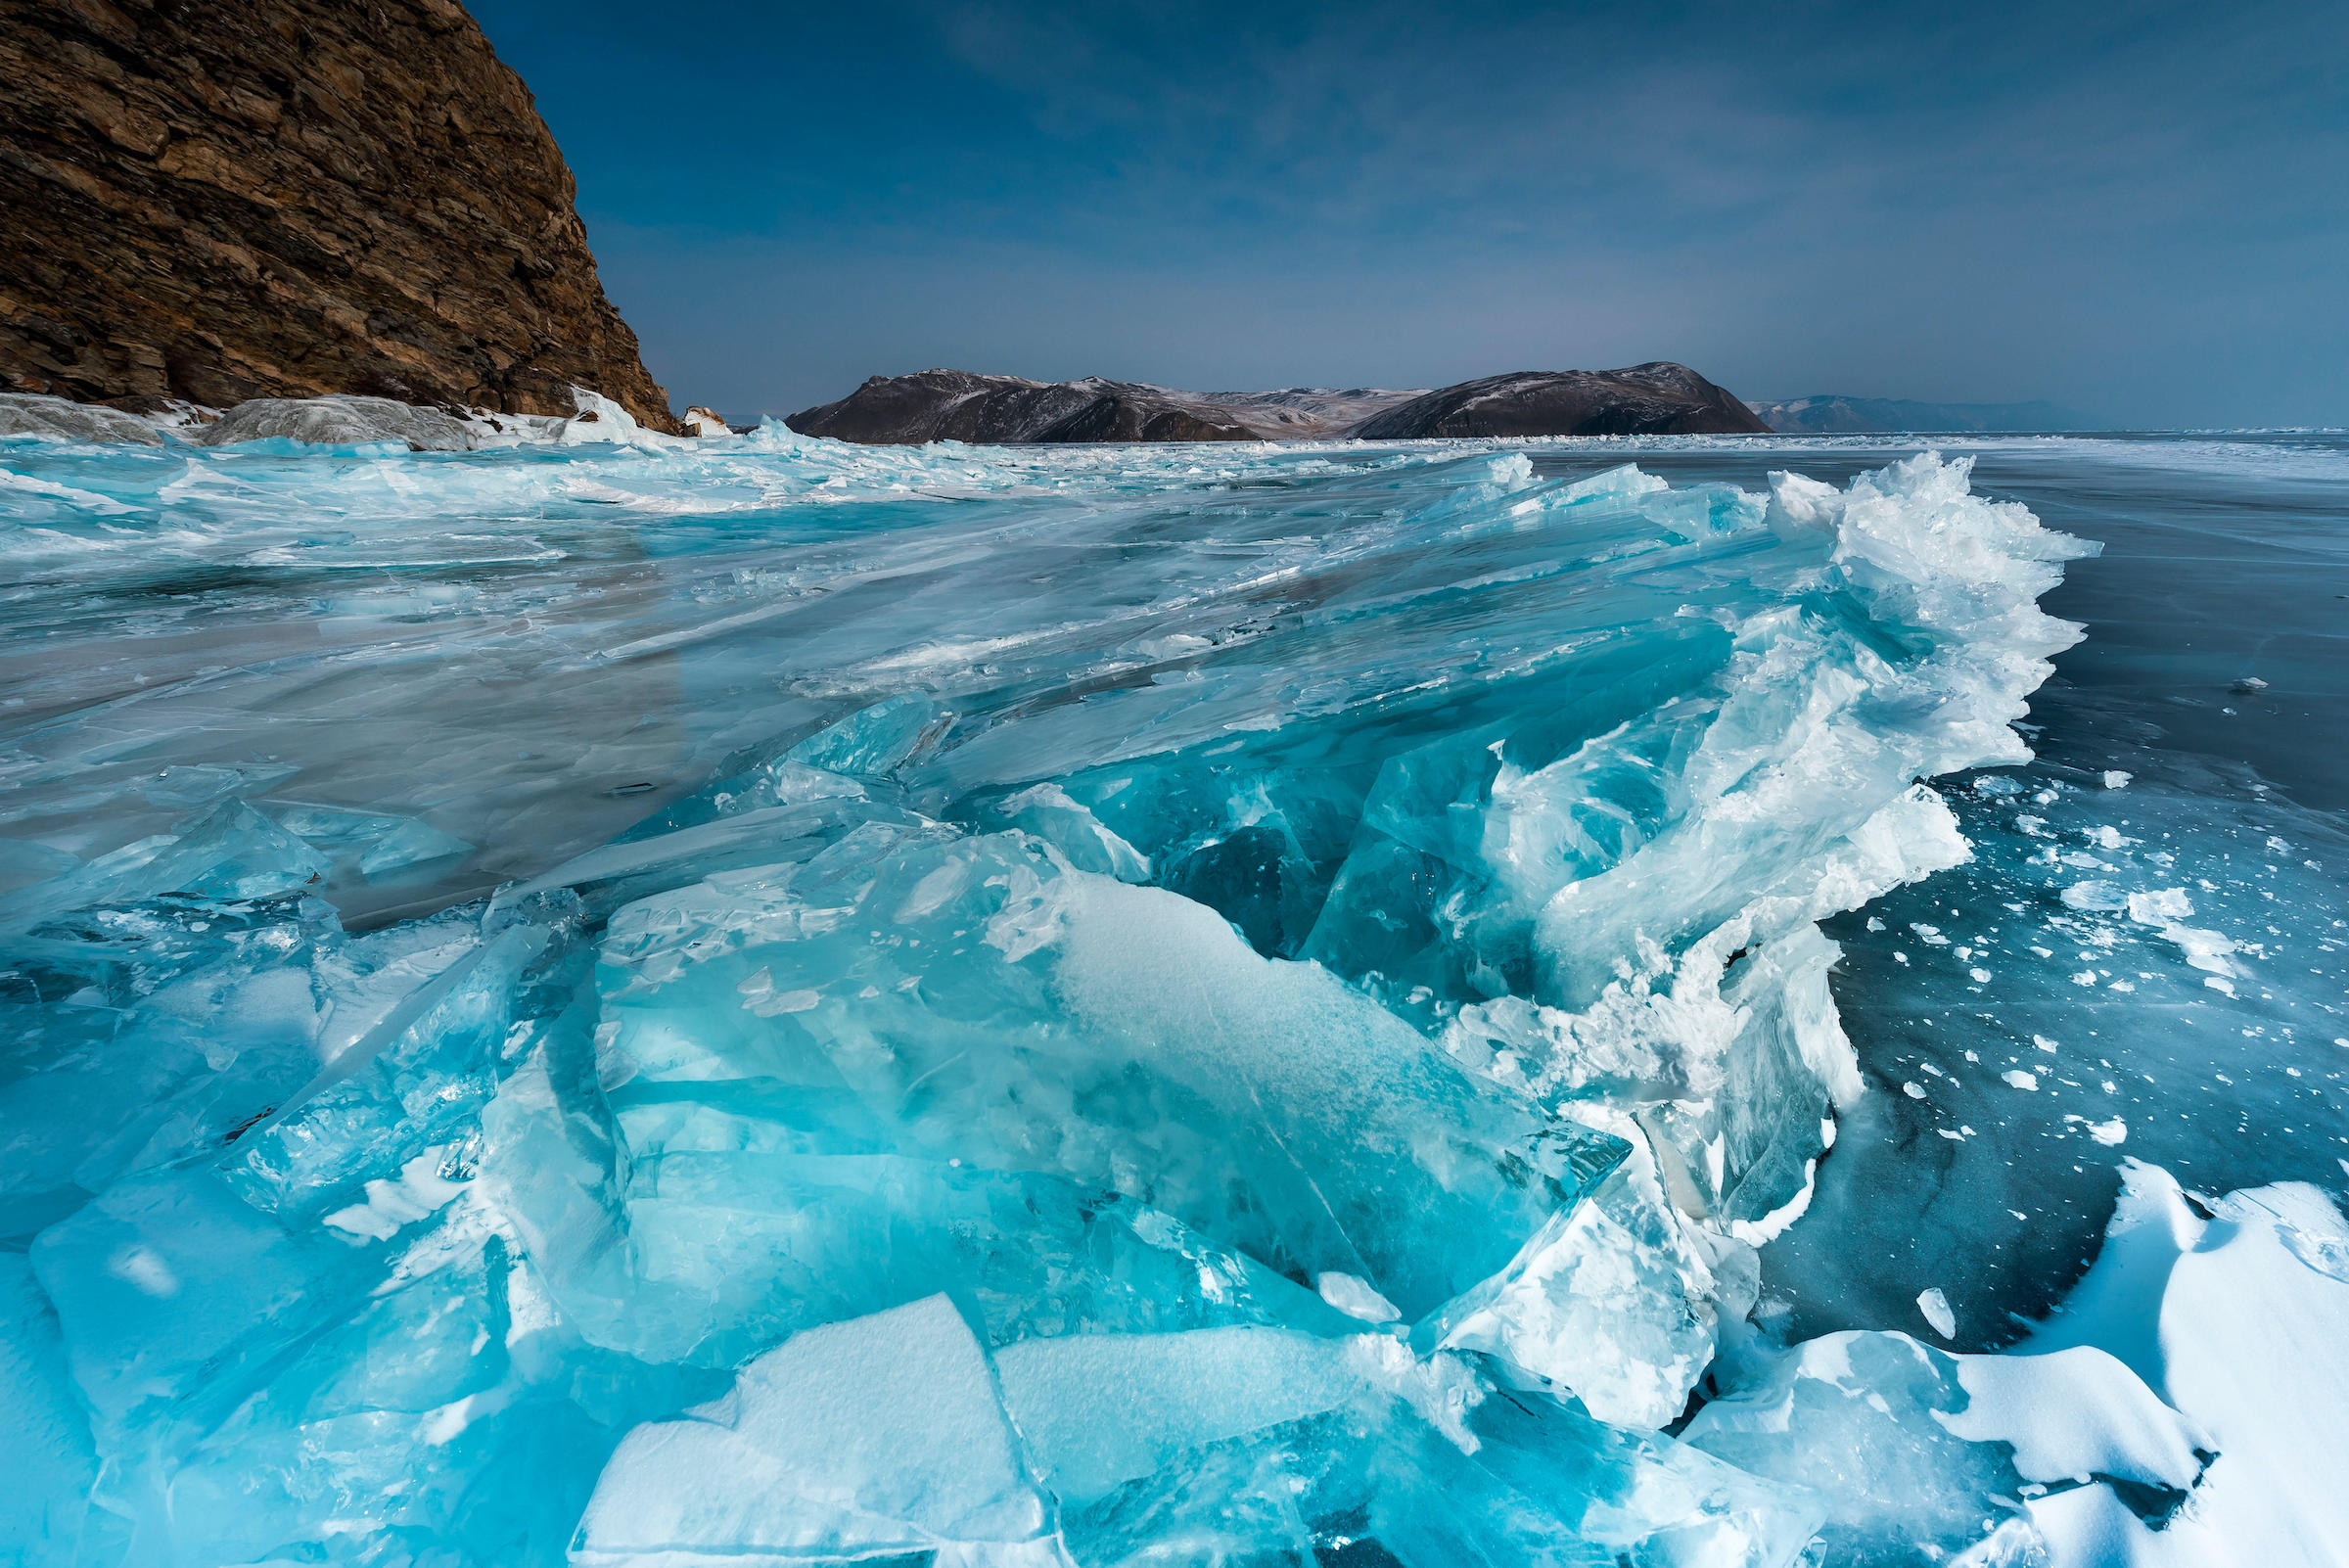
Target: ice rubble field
x,y
757,1001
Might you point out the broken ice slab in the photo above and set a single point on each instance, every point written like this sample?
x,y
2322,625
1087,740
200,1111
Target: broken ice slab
x,y
176,1299
1047,812
784,813
879,1436
1618,1301
204,1254
419,1070
1924,1455
725,1240
230,851
1100,1409
1250,1446
979,1003
891,1434
874,741
189,1022
377,843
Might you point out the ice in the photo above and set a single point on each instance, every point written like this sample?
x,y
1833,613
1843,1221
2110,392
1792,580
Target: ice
x,y
2182,1407
1936,1308
1047,812
747,999
1073,1026
231,852
1861,1418
51,1462
378,844
1354,1298
600,420
2234,1323
1098,1410
1618,1299
1245,1439
1154,1446
846,1442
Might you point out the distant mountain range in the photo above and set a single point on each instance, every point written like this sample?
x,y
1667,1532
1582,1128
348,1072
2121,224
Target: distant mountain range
x,y
1857,415
1655,399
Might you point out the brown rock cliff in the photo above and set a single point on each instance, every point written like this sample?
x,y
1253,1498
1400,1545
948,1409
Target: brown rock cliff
x,y
283,198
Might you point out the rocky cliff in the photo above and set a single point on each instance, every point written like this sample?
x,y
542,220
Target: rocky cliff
x,y
282,198
958,405
1657,398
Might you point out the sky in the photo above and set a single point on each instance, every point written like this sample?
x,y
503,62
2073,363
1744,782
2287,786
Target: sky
x,y
2137,210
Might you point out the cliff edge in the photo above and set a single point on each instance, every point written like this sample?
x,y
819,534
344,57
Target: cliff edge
x,y
285,198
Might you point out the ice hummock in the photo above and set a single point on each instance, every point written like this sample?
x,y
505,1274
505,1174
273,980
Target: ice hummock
x,y
1099,1004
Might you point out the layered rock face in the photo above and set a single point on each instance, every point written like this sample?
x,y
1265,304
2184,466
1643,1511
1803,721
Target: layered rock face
x,y
284,198
958,405
1657,398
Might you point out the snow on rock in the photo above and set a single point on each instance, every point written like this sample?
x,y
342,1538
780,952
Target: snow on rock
x,y
340,420
600,421
60,419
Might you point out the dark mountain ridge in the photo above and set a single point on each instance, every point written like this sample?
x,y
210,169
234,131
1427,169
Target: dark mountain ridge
x,y
1657,397
958,405
214,202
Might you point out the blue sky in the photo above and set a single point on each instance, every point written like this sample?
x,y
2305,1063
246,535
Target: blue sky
x,y
2140,210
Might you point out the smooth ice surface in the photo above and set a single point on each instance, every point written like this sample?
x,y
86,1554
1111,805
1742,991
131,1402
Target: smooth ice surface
x,y
747,998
